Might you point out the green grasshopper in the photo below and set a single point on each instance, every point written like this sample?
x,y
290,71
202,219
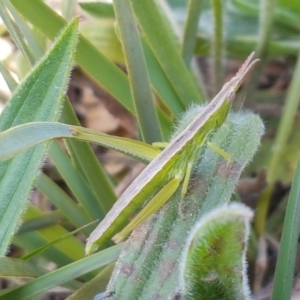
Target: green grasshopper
x,y
171,167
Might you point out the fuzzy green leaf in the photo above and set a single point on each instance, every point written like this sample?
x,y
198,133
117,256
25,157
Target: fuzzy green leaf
x,y
38,98
152,255
214,262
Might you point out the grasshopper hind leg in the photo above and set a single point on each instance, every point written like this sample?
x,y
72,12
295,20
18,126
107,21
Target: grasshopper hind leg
x,y
220,151
152,207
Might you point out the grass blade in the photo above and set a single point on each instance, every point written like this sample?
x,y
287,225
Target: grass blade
x,y
64,274
54,242
103,71
161,83
93,62
16,33
76,182
47,235
35,47
23,137
88,164
266,21
62,201
137,72
94,286
282,135
218,43
99,9
147,14
284,273
190,31
10,81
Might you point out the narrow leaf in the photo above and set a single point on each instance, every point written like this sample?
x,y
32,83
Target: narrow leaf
x,y
16,33
47,235
18,268
147,14
23,137
284,273
10,81
190,30
86,162
76,182
94,286
43,248
64,274
137,72
93,62
31,39
88,57
157,76
62,201
99,9
14,267
218,43
38,98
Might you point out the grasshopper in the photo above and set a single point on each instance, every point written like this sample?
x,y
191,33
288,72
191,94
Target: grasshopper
x,y
171,167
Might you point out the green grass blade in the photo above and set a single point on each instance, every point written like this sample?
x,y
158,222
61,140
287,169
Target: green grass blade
x,y
18,268
44,247
161,83
16,33
38,98
266,22
14,267
68,9
76,182
88,57
93,62
282,135
218,43
64,274
284,273
99,9
62,201
87,157
35,47
23,137
137,72
10,81
49,219
33,240
168,55
53,233
88,164
189,42
97,179
157,76
190,31
94,286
